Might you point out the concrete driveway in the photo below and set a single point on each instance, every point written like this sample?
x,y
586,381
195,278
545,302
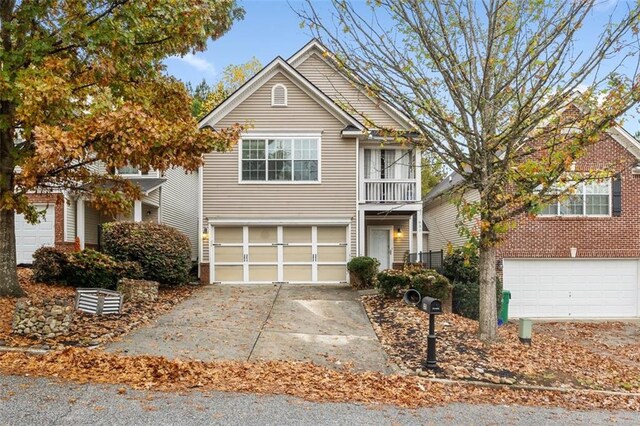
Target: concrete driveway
x,y
323,324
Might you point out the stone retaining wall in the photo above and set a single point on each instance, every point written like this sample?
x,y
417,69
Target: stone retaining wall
x,y
47,318
138,290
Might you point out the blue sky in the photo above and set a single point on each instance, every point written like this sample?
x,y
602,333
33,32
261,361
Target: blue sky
x,y
271,28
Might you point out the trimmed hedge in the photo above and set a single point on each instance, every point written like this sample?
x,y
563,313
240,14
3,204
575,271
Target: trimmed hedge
x,y
163,252
48,264
363,271
90,268
390,281
432,284
462,270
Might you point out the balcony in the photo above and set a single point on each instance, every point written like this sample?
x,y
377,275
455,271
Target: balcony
x,y
390,191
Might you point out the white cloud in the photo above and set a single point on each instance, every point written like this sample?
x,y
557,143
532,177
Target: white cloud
x,y
198,63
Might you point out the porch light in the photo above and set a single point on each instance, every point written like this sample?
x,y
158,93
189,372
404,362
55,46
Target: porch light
x,y
399,233
205,232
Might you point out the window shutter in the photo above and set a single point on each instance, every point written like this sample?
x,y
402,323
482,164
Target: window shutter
x,y
616,196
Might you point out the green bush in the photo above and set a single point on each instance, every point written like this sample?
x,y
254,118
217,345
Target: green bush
x,y
363,270
392,280
48,264
462,270
90,268
129,269
163,252
432,284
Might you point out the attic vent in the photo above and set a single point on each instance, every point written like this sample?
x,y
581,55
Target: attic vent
x,y
279,95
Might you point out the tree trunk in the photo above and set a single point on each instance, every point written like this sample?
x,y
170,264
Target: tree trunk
x,y
9,285
488,304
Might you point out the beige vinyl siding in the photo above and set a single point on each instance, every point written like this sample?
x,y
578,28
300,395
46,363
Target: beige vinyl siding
x,y
400,243
180,204
91,220
335,197
70,219
153,198
441,217
337,87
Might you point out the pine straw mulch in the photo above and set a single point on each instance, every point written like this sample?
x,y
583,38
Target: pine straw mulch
x,y
574,358
86,329
304,380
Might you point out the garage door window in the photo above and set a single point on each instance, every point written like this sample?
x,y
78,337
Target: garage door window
x,y
589,199
280,160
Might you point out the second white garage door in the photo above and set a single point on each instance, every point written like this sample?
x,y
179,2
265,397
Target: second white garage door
x,y
270,254
572,288
30,237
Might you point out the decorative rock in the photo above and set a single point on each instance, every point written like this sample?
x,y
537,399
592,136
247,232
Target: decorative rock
x,y
138,290
38,318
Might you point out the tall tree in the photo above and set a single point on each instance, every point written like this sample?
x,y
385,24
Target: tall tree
x,y
199,95
82,82
491,87
233,76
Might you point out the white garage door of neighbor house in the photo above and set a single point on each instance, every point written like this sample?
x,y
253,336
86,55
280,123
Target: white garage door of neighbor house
x,y
572,288
30,237
287,254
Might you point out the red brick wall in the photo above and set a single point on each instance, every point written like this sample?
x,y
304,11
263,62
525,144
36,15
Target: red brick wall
x,y
541,237
204,273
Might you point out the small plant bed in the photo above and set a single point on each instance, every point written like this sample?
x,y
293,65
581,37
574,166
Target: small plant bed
x,y
576,357
85,329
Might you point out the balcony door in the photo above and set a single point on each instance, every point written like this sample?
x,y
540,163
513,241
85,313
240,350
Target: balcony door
x,y
389,164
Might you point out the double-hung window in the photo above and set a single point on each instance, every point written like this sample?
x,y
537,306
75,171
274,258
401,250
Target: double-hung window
x,y
280,159
589,199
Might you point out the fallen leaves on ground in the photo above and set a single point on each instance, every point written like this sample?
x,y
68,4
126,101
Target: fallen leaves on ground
x,y
86,329
304,380
569,359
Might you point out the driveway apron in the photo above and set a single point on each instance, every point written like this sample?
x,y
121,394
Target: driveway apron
x,y
326,325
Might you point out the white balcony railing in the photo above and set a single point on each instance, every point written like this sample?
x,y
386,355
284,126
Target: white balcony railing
x,y
390,191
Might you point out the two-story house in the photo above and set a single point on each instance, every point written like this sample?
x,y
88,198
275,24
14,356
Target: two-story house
x,y
580,257
170,198
309,185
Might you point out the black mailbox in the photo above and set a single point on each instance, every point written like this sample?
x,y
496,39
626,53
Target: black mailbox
x,y
431,306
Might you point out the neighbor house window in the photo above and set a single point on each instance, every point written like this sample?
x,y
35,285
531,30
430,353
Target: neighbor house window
x,y
280,159
589,199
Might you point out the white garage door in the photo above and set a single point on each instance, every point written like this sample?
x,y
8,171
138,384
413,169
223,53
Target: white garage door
x,y
287,254
572,288
31,237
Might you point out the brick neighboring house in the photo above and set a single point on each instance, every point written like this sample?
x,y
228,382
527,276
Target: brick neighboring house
x,y
579,258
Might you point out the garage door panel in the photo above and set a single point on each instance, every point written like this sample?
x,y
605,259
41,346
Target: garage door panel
x,y
228,235
298,273
332,254
572,288
30,237
231,273
331,273
263,234
263,273
297,254
263,254
332,234
296,234
228,254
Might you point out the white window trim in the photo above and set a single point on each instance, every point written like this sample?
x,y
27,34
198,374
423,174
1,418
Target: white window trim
x,y
280,136
584,207
151,174
286,95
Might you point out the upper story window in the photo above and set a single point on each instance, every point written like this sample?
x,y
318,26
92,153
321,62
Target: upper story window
x,y
589,199
279,95
389,164
280,159
134,171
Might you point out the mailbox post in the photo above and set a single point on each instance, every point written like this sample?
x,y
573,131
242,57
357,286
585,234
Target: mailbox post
x,y
433,307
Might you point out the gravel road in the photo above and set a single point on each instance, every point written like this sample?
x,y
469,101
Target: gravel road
x,y
32,401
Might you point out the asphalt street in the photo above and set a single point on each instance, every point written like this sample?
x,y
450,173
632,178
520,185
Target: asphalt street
x,y
33,401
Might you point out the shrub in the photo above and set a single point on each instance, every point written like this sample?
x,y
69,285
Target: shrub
x,y
363,270
48,264
430,283
462,270
89,268
129,269
392,280
163,252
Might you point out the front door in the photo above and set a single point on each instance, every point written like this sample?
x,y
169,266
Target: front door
x,y
381,245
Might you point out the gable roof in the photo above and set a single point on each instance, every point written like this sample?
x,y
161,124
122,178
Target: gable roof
x,y
617,133
258,80
316,47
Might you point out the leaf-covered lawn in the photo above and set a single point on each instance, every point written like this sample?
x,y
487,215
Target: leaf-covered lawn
x,y
86,329
581,355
